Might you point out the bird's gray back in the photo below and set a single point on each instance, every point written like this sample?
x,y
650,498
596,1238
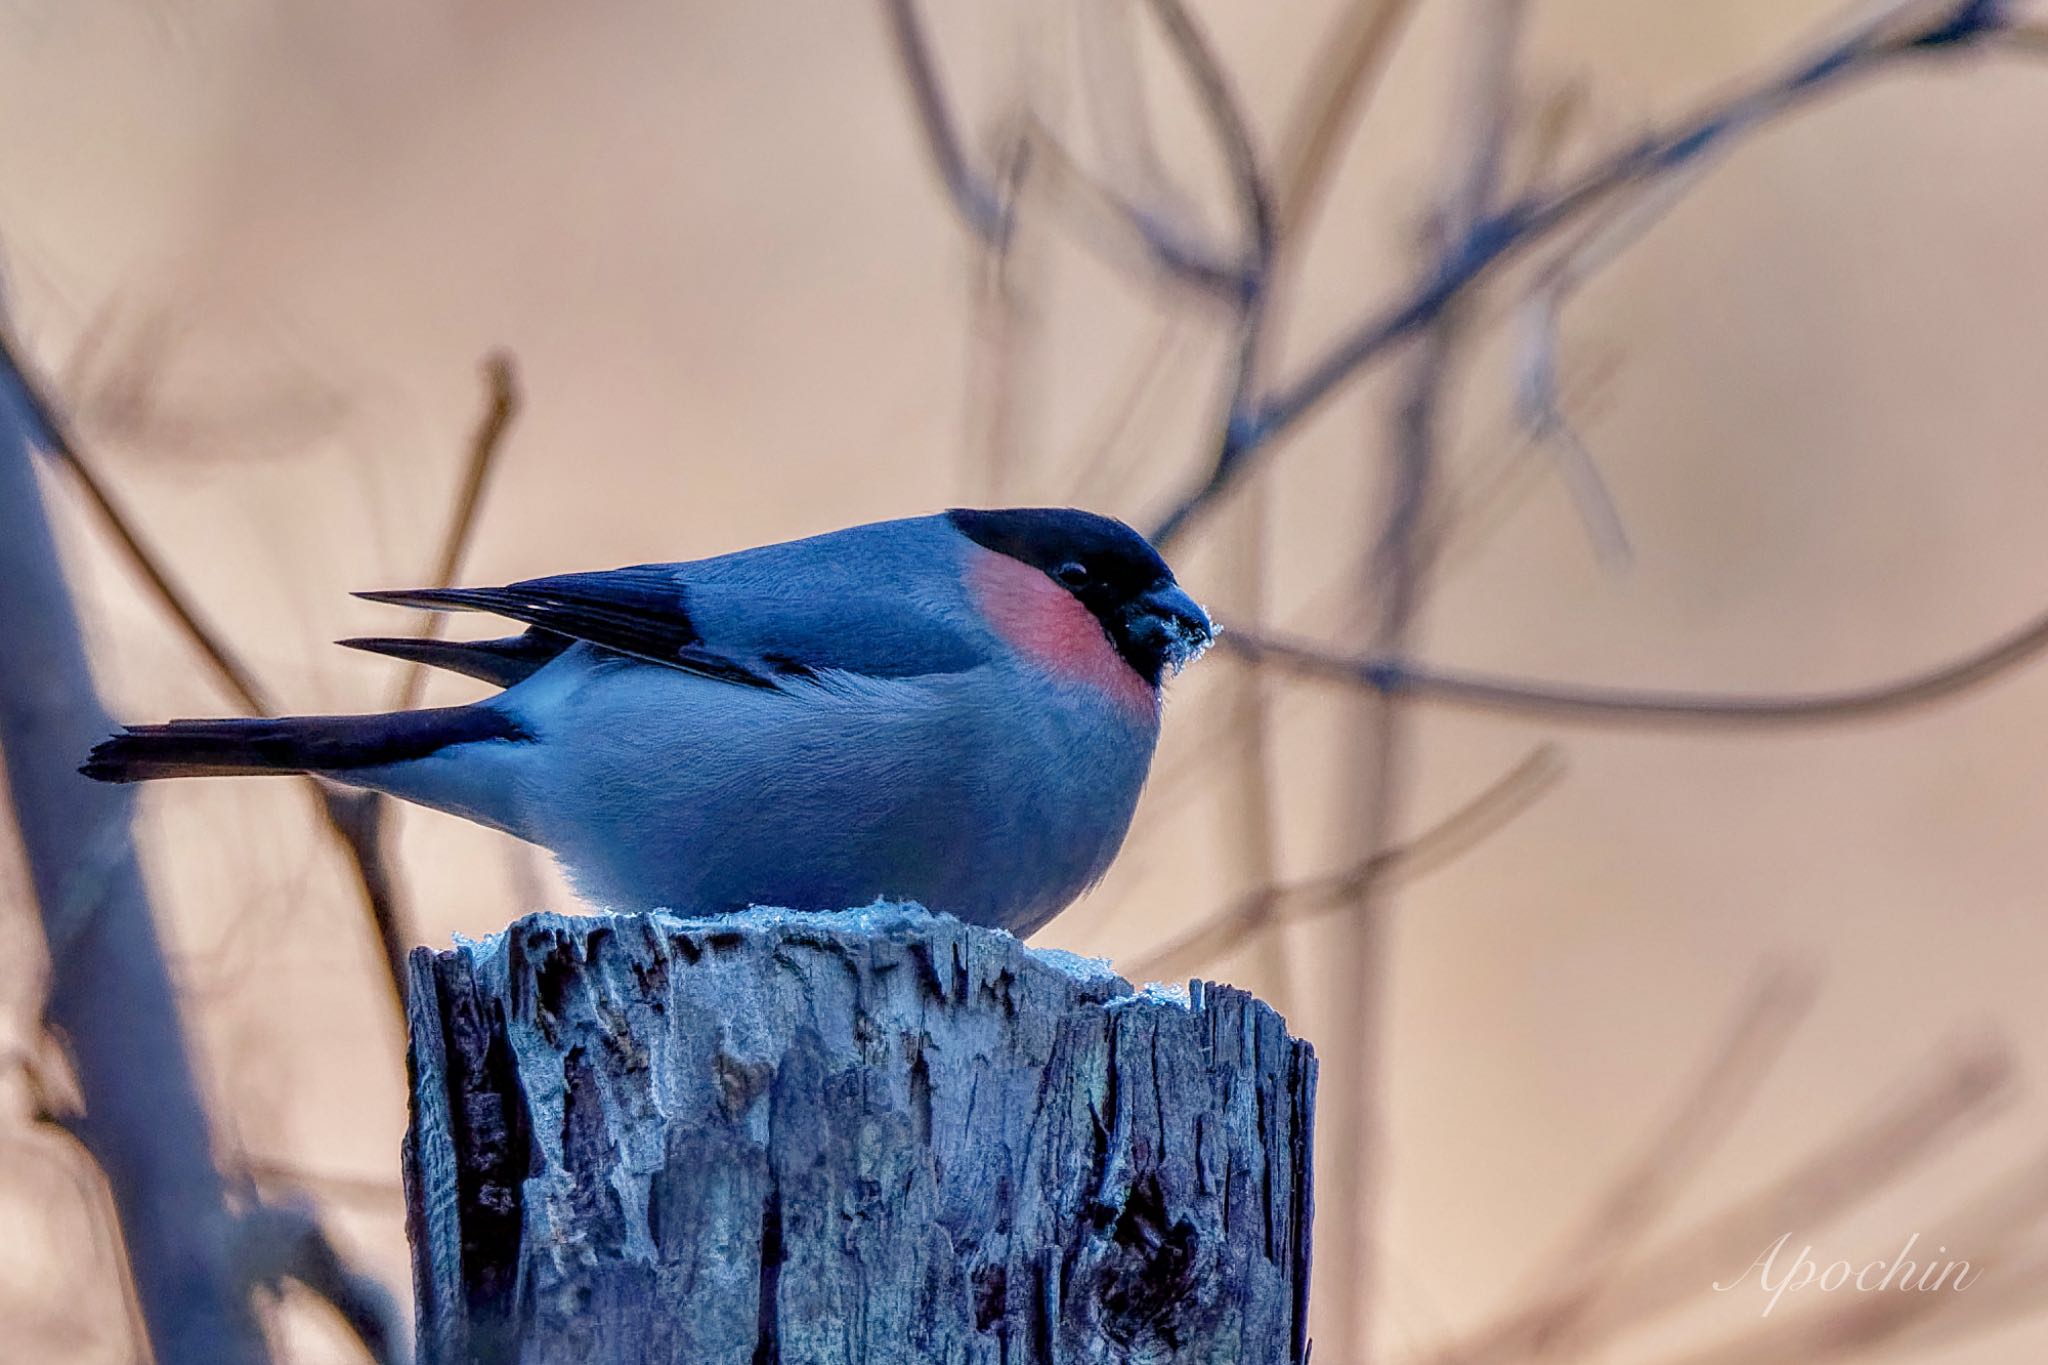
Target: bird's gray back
x,y
885,600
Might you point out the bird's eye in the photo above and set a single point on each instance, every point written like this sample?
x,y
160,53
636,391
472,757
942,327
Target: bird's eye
x,y
1073,575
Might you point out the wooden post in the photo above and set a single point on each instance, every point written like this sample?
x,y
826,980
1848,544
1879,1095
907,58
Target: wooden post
x,y
877,1137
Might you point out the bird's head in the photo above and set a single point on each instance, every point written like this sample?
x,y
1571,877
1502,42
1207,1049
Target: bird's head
x,y
1109,569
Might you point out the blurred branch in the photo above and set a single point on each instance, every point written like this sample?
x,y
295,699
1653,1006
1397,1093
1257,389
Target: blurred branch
x,y
51,433
1392,675
1352,59
1505,470
1004,331
1122,226
1865,1161
486,443
1170,248
1219,105
977,199
1990,1230
1103,461
1257,814
278,1242
1902,30
1400,563
331,1187
1462,830
1648,1187
110,1000
1251,787
355,818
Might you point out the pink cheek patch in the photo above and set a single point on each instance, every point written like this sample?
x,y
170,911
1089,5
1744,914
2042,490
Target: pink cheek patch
x,y
1046,623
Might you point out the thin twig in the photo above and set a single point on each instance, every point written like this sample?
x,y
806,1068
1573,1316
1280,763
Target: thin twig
x,y
1332,98
353,817
1229,127
1611,706
1227,124
1120,229
1353,56
1251,788
1457,833
1864,1161
1400,563
1990,1231
486,443
1985,1234
1647,1187
1104,458
1504,235
278,1242
978,200
53,434
1002,332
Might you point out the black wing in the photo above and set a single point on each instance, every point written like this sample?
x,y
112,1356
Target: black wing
x,y
498,662
639,612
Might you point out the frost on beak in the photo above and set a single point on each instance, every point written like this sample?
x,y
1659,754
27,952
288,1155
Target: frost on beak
x,y
1189,637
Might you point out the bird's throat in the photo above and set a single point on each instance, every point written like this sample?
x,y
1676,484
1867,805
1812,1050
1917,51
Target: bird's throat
x,y
1048,625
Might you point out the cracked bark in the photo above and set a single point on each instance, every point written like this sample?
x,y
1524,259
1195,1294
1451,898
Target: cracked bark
x,y
880,1136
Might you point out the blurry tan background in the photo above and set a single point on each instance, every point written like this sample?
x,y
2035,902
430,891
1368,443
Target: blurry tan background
x,y
263,247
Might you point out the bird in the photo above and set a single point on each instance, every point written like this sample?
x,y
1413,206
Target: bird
x,y
957,710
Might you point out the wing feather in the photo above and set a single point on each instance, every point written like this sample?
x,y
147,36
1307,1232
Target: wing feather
x,y
885,600
644,613
498,662
638,612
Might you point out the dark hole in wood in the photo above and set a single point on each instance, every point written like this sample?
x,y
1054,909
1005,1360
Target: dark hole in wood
x,y
1146,1288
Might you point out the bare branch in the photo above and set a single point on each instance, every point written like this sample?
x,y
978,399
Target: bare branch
x,y
2031,39
110,999
1400,564
1227,123
2011,1206
501,407
353,817
1864,1161
1103,460
1118,227
1737,1066
277,1242
1353,57
1250,718
1609,706
977,199
991,212
49,431
1500,237
1521,787
1004,332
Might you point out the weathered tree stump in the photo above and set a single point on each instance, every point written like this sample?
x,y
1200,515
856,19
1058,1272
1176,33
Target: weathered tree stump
x,y
872,1137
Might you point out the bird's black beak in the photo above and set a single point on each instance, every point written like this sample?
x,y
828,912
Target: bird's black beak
x,y
1169,627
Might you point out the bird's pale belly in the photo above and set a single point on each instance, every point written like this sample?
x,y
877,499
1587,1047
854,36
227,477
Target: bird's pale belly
x,y
813,814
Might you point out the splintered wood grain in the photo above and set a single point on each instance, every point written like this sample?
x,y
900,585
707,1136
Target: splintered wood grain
x,y
878,1136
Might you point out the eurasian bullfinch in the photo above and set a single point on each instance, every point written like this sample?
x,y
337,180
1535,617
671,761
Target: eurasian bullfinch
x,y
956,709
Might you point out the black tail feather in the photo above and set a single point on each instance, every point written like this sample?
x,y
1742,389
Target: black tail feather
x,y
498,662
290,744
